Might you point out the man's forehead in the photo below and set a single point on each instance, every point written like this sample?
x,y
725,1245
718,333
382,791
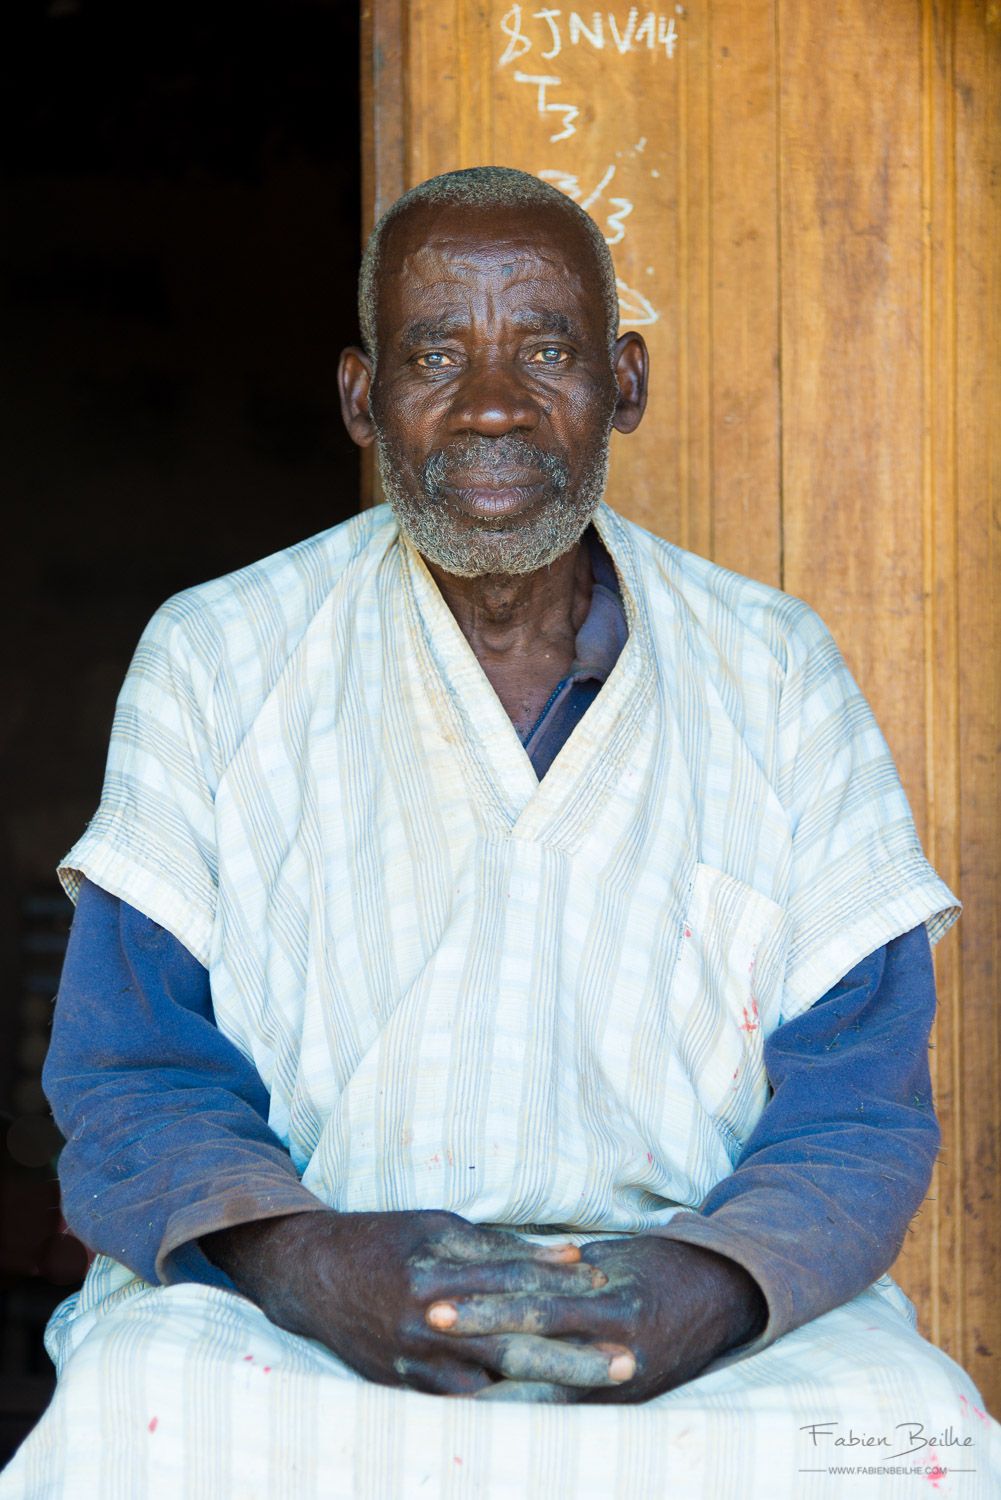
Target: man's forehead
x,y
507,275
464,255
441,258
473,240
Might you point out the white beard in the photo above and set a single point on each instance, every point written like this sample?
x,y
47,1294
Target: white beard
x,y
468,551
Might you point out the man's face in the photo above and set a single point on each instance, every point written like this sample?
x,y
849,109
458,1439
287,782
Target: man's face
x,y
494,391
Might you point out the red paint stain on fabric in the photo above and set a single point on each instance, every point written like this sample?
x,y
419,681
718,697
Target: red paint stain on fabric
x,y
936,1472
981,1414
457,1460
267,1369
154,1423
750,1022
688,932
649,1158
248,1358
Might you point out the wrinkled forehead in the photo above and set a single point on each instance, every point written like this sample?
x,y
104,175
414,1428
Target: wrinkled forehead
x,y
434,256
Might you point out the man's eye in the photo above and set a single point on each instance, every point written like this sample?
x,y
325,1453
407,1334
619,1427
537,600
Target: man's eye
x,y
435,359
551,355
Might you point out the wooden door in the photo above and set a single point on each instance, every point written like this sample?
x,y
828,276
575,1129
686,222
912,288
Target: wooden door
x,y
803,201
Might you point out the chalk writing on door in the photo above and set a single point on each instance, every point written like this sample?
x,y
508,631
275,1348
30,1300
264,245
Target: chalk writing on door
x,y
531,42
549,33
618,209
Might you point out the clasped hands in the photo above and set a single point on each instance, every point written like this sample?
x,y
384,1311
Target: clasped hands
x,y
425,1299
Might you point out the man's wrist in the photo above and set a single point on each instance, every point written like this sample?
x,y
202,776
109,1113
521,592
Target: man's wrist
x,y
262,1257
723,1296
742,1302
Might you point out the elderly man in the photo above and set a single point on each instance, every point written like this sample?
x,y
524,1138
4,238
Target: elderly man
x,y
501,971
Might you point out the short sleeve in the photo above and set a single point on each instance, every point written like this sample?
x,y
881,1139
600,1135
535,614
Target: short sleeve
x,y
859,877
152,841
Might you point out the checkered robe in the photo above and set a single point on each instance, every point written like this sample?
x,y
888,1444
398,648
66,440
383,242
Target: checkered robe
x,y
531,1003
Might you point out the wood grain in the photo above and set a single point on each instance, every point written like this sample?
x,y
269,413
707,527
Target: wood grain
x,y
743,350
976,495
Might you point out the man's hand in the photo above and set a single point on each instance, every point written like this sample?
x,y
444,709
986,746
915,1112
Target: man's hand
x,y
362,1284
675,1307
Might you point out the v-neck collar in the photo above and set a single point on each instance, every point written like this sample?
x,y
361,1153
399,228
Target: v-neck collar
x,y
497,764
597,648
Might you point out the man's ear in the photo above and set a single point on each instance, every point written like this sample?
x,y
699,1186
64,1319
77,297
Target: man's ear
x,y
631,364
354,381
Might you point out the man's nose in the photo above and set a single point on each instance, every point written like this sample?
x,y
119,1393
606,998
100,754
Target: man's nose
x,y
493,400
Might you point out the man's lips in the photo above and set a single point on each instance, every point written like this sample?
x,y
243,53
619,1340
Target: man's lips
x,y
494,479
495,495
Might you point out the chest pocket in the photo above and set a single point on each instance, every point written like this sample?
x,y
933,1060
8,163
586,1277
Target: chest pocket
x,y
726,997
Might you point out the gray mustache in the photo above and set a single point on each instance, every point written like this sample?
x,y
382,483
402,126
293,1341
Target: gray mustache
x,y
492,456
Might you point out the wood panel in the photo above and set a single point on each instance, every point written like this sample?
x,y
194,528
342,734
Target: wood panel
x,y
745,480
803,202
973,593
934,1264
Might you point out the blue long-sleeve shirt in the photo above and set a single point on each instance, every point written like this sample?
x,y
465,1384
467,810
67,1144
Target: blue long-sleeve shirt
x,y
841,1158
167,1136
166,1121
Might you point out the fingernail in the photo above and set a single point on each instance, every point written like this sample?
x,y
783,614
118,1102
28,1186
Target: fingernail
x,y
622,1367
563,1253
442,1315
598,1279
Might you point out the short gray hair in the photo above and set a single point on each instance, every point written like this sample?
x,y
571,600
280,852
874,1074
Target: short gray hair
x,y
483,187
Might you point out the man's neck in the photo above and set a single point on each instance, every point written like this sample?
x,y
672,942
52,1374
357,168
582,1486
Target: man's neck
x,y
523,628
505,616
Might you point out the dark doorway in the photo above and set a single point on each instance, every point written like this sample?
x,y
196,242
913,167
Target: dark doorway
x,y
181,207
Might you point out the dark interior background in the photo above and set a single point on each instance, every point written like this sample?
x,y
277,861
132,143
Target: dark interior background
x,y
181,222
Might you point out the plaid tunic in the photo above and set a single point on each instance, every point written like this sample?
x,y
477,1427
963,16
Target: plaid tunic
x,y
535,1004
313,787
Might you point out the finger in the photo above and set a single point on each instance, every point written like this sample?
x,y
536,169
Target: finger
x,y
522,1357
541,1391
442,1377
441,1281
504,1313
471,1242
